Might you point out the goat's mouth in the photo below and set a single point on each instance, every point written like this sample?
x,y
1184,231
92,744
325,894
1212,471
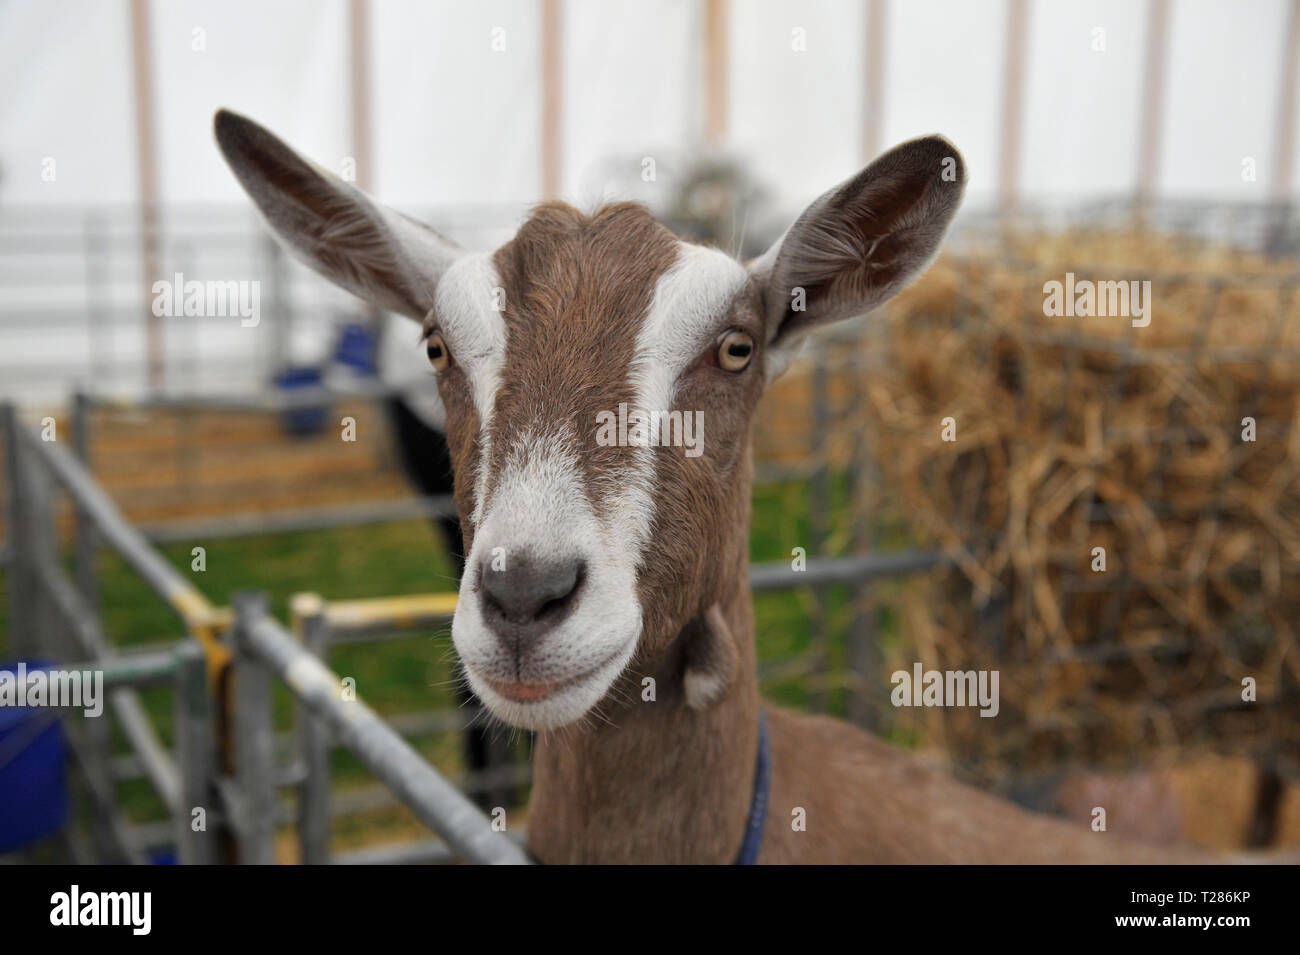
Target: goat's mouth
x,y
550,705
526,692
522,691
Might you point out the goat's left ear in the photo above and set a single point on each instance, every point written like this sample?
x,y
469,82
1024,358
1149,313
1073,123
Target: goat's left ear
x,y
861,243
711,660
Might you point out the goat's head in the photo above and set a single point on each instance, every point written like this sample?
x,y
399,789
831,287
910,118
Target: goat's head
x,y
599,377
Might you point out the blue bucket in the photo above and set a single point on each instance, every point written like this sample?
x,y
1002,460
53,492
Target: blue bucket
x,y
302,420
356,349
33,772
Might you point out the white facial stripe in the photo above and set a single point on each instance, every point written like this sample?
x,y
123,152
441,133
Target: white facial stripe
x,y
538,499
689,298
539,505
476,334
539,508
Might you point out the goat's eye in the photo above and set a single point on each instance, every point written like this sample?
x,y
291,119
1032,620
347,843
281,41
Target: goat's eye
x,y
436,348
735,349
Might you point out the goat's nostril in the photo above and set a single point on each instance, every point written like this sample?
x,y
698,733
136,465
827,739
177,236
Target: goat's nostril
x,y
528,592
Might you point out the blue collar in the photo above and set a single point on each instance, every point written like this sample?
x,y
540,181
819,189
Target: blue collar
x,y
758,802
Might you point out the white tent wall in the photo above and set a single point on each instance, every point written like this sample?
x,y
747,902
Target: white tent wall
x,y
456,130
66,96
1222,91
632,89
795,85
943,73
284,62
457,121
1083,98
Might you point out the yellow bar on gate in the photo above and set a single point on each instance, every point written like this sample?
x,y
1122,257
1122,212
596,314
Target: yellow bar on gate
x,y
205,623
395,611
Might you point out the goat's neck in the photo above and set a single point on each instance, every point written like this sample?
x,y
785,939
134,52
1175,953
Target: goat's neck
x,y
655,781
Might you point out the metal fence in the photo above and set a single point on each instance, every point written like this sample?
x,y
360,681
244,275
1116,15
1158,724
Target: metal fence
x,y
223,762
220,783
53,616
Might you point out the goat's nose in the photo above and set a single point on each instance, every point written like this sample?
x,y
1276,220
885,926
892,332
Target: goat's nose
x,y
529,595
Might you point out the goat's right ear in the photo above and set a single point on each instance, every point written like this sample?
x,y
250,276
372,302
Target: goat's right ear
x,y
373,252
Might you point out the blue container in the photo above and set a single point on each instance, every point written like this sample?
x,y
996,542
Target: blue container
x,y
306,419
33,773
356,349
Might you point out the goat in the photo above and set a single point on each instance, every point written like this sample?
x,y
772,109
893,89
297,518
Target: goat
x,y
605,602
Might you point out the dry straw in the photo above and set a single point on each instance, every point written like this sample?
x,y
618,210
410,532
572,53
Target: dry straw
x,y
1075,433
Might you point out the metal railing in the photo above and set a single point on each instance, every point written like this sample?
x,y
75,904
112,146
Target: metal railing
x,y
265,648
222,775
224,761
45,604
85,404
